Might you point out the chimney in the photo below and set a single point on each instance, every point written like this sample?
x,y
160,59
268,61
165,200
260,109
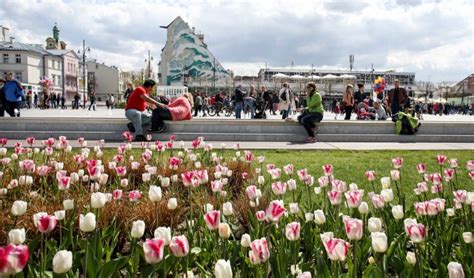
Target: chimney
x,y
12,39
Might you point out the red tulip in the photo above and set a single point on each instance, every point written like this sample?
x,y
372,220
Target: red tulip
x,y
397,162
303,174
354,228
174,163
64,182
275,210
3,141
13,258
279,188
441,158
449,174
44,222
134,195
327,170
117,194
370,175
212,219
292,231
335,197
416,231
30,140
259,252
187,178
249,156
179,246
260,215
153,250
336,248
354,198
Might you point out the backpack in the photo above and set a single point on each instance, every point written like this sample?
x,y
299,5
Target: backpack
x,y
283,95
406,124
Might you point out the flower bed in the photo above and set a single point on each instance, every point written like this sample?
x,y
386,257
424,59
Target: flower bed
x,y
169,212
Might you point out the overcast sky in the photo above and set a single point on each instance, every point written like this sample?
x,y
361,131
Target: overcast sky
x,y
435,39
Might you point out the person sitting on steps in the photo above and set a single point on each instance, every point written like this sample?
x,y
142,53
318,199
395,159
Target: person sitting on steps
x,y
313,113
178,110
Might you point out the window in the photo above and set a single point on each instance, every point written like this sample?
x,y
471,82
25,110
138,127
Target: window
x,y
5,58
18,58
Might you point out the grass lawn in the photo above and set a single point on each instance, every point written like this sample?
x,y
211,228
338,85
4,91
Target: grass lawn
x,y
350,166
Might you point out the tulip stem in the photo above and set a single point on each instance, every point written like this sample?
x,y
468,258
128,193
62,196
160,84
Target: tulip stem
x,y
355,258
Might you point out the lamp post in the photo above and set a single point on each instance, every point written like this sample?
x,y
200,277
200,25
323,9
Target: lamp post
x,y
84,50
150,58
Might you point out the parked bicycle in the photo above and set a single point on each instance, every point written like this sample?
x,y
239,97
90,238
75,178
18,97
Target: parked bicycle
x,y
226,109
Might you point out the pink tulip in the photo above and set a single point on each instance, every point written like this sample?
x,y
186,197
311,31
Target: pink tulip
x,y
81,140
30,140
153,250
309,181
174,163
49,143
248,156
127,136
460,196
370,175
327,169
64,182
453,163
270,167
335,197
421,208
135,165
275,210
421,187
441,158
471,175
338,185
79,158
196,143
44,222
449,174
27,165
435,178
416,231
276,173
421,168
42,170
245,175
13,258
303,174
377,200
292,231
201,176
212,219
187,178
470,165
179,246
259,252
134,195
354,198
436,188
217,186
397,162
354,228
288,169
3,141
252,192
146,156
169,145
395,175
279,188
323,181
117,194
336,248
172,137
260,215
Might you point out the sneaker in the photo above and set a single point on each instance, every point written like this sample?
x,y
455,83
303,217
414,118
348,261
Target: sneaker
x,y
130,127
140,138
161,129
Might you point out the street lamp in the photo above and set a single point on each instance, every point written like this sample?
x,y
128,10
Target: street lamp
x,y
150,58
84,50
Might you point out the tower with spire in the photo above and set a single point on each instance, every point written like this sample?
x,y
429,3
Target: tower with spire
x,y
54,42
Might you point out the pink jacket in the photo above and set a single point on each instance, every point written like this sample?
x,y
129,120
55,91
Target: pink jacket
x,y
180,109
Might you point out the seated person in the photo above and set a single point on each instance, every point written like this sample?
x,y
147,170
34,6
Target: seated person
x,y
380,111
178,110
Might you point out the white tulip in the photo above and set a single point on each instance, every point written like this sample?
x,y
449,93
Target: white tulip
x,y
364,208
87,223
467,236
309,217
379,242
17,236
60,214
138,229
208,207
164,233
319,217
450,212
98,200
19,207
224,230
411,258
294,208
62,262
68,204
385,181
165,181
397,212
172,203
227,209
174,178
223,269
245,241
317,190
261,180
455,270
154,193
375,224
387,195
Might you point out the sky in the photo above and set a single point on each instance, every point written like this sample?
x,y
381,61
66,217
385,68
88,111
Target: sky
x,y
434,39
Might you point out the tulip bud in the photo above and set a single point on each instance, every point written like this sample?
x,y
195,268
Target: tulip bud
x,y
375,224
60,214
174,178
165,181
87,223
371,260
385,181
397,212
309,217
223,269
411,258
294,209
467,236
163,233
19,207
138,229
379,242
227,209
68,204
224,230
455,270
450,212
245,241
17,236
364,208
154,193
62,262
261,180
98,200
387,195
319,217
172,203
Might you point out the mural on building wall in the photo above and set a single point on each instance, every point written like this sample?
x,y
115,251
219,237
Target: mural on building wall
x,y
186,54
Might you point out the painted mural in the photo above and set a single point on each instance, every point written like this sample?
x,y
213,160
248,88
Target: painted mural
x,y
185,53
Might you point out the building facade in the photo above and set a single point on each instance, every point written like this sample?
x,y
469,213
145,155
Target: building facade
x,y
103,80
185,59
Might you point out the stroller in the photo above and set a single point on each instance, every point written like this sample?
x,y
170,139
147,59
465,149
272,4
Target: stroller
x,y
406,124
260,108
363,112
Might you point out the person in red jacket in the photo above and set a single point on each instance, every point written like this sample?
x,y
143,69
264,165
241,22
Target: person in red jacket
x,y
178,110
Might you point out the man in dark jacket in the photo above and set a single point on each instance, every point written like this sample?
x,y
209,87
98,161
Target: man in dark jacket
x,y
13,95
238,99
359,95
397,97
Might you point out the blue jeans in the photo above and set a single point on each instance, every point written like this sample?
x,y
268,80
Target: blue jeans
x,y
138,119
238,109
308,119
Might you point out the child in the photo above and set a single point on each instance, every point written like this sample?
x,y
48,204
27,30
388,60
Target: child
x,y
337,109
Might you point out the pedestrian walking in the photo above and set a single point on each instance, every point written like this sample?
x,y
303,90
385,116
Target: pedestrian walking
x,y
238,100
92,101
12,95
348,101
